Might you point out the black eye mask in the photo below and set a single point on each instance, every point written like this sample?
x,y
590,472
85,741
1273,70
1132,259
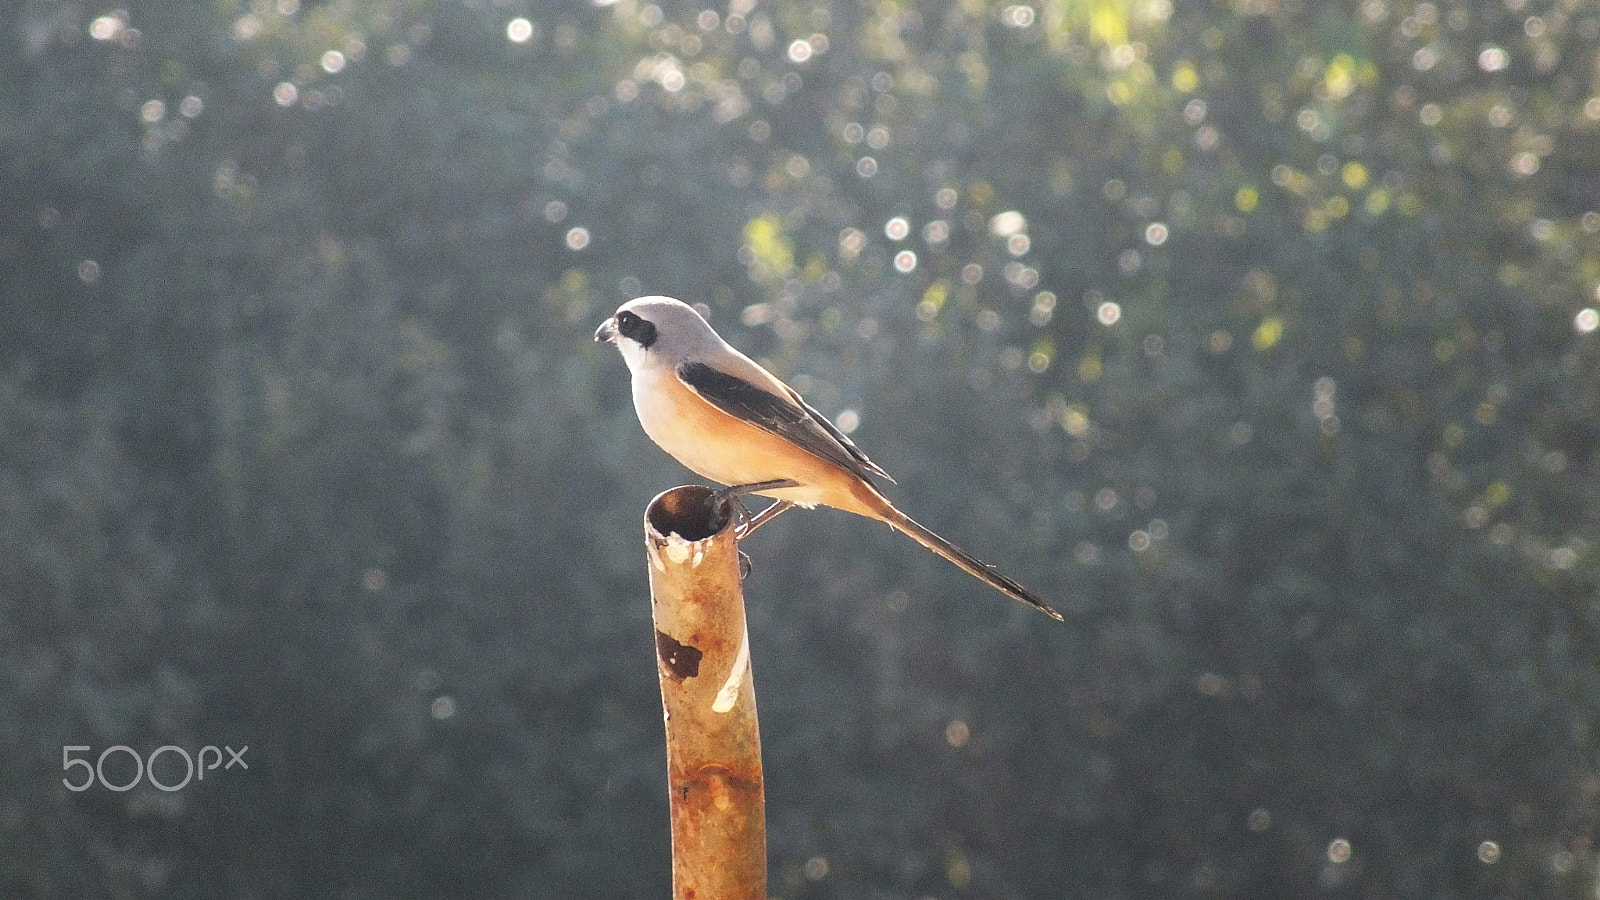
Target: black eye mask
x,y
636,329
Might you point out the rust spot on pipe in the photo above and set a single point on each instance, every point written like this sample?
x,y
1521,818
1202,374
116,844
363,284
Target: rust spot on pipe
x,y
719,783
681,660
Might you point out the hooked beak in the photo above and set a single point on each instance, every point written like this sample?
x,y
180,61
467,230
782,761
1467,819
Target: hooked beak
x,y
607,331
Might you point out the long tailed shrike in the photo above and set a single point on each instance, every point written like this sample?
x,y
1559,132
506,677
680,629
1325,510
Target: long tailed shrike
x,y
725,417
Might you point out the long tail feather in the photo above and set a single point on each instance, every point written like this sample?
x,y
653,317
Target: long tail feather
x,y
969,563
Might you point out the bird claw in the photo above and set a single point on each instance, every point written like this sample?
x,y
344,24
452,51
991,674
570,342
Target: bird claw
x,y
726,503
743,522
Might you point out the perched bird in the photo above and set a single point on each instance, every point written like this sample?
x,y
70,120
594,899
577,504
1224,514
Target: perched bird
x,y
724,416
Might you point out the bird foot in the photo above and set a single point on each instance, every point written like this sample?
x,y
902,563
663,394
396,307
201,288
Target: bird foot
x,y
744,523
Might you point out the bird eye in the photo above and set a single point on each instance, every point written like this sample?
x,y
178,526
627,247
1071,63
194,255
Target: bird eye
x,y
626,320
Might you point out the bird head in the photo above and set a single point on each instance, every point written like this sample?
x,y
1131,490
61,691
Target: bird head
x,y
656,323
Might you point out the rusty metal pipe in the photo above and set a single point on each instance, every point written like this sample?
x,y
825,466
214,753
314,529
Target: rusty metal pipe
x,y
718,805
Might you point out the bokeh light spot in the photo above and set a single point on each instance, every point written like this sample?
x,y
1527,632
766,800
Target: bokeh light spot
x,y
957,733
1267,334
106,28
851,242
1339,851
1019,16
245,28
1185,78
1008,223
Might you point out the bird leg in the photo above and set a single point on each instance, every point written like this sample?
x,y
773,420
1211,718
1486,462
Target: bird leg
x,y
766,515
744,523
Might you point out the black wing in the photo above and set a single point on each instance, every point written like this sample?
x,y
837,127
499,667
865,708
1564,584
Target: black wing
x,y
787,417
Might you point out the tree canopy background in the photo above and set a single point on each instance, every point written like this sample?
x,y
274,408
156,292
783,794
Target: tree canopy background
x,y
1259,335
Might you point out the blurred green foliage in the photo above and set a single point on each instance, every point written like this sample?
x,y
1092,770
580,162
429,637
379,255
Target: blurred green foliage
x,y
1259,334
